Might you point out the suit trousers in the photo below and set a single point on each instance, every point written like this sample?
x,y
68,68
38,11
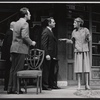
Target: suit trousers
x,y
50,71
17,65
53,73
45,73
7,72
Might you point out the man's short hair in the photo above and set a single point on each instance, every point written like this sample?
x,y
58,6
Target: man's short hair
x,y
23,12
49,19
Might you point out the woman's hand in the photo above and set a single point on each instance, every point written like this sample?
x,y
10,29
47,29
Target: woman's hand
x,y
67,40
62,39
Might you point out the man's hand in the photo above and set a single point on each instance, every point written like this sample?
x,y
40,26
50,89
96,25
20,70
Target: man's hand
x,y
48,57
33,43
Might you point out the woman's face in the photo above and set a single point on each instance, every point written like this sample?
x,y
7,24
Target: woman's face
x,y
76,24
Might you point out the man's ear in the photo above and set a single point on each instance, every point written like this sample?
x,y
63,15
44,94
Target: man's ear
x,y
48,23
25,15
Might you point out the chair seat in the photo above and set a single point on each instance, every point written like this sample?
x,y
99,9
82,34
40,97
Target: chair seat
x,y
29,73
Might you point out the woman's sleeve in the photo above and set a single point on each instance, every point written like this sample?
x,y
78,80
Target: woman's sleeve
x,y
73,38
88,35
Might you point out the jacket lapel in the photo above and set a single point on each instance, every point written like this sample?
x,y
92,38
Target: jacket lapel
x,y
51,33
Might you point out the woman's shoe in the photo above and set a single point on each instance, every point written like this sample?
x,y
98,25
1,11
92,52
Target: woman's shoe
x,y
78,88
87,88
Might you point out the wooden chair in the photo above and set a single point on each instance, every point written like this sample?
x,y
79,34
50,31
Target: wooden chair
x,y
33,61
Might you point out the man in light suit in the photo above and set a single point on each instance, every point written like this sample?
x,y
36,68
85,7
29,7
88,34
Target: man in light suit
x,y
49,44
19,48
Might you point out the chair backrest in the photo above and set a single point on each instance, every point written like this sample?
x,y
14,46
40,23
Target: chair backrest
x,y
35,59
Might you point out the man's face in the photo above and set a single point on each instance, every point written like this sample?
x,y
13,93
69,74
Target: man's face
x,y
28,15
52,24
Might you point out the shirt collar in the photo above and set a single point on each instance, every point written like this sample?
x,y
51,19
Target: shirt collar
x,y
49,28
11,29
23,19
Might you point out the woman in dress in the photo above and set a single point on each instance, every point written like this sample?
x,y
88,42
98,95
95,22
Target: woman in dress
x,y
80,38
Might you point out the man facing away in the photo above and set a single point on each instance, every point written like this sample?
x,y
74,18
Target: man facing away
x,y
19,48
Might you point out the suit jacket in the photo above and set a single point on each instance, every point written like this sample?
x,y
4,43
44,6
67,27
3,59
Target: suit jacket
x,y
49,43
21,40
6,45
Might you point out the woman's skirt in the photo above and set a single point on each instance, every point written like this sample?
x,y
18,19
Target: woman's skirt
x,y
82,62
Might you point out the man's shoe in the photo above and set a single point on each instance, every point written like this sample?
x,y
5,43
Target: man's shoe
x,y
20,92
9,92
56,87
14,92
46,88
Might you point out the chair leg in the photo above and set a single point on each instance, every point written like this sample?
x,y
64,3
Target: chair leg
x,y
37,84
40,84
17,85
25,86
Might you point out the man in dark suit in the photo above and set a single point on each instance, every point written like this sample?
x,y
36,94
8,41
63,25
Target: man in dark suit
x,y
19,48
49,44
6,53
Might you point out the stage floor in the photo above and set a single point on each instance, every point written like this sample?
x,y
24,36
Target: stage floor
x,y
64,92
